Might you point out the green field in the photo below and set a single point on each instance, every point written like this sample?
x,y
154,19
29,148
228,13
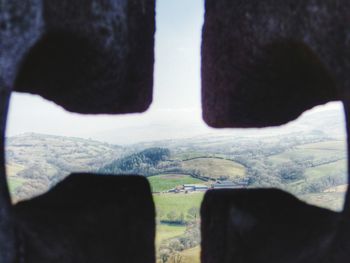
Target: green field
x,y
179,203
326,146
333,201
188,155
14,182
164,182
191,255
215,168
333,152
314,151
165,232
12,169
338,167
196,160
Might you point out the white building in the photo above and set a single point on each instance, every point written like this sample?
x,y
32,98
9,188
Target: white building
x,y
195,187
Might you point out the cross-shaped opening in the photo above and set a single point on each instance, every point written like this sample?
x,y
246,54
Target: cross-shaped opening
x,y
170,144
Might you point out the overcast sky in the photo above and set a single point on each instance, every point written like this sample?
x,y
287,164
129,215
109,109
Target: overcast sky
x,y
176,97
176,82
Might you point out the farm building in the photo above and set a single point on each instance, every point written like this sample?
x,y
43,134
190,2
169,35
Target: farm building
x,y
195,187
229,184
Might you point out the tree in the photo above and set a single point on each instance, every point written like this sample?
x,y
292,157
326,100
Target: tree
x,y
171,216
182,218
290,172
176,245
193,213
176,258
164,255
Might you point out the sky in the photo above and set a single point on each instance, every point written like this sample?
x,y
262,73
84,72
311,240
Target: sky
x,y
176,83
176,108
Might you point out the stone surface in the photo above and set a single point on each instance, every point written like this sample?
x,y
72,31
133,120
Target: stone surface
x,y
266,62
264,226
263,64
90,219
89,56
7,237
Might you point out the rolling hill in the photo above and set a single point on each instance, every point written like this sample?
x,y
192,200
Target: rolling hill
x,y
35,162
309,164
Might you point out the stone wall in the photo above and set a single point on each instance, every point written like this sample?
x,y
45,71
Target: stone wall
x,y
263,64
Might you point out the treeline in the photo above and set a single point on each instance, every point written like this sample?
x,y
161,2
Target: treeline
x,y
169,250
143,163
291,175
179,218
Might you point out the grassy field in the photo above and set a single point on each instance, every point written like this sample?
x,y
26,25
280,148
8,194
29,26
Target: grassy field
x,y
165,232
14,182
164,182
316,151
326,169
326,145
214,167
209,166
191,255
337,189
330,200
179,203
12,169
188,155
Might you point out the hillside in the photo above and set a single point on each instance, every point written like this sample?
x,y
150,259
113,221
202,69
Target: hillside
x,y
214,168
35,162
146,162
302,163
309,164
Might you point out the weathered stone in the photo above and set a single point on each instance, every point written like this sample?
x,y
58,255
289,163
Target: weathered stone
x,y
89,56
264,226
89,218
266,62
7,237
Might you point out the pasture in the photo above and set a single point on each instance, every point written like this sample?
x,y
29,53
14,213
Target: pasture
x,y
164,182
14,182
215,167
178,203
312,151
191,255
165,232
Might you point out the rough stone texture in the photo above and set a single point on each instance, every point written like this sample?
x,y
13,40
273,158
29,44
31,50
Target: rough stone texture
x,y
7,237
18,21
89,56
341,245
264,226
265,62
90,219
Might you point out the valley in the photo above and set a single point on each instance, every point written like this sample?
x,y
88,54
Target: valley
x,y
310,165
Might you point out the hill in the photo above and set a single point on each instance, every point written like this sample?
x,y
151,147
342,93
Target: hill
x,y
309,164
146,162
302,162
35,162
214,168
